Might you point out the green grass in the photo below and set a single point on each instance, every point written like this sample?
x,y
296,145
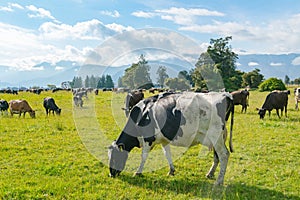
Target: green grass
x,y
64,157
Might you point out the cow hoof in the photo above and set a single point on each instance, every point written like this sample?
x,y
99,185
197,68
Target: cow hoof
x,y
171,172
138,174
210,176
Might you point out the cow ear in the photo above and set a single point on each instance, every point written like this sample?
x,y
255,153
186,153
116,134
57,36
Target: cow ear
x,y
121,146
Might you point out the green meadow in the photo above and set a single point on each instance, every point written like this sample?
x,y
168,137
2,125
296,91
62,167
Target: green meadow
x,y
65,157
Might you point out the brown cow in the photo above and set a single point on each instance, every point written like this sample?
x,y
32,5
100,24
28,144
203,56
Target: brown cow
x,y
241,98
19,107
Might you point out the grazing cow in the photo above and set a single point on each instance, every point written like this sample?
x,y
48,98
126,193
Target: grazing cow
x,y
3,106
132,99
19,107
78,101
179,119
297,97
49,105
241,98
274,100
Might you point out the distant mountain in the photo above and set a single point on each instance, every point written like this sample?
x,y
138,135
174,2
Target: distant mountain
x,y
47,73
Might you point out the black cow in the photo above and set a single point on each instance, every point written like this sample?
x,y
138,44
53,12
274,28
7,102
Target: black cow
x,y
49,105
132,99
3,106
241,98
275,100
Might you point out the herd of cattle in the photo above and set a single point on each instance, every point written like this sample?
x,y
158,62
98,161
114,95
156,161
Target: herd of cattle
x,y
277,100
169,118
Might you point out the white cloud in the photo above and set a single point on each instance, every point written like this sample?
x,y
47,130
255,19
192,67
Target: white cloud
x,y
119,28
10,7
144,14
296,61
180,16
87,30
252,64
39,12
115,13
275,64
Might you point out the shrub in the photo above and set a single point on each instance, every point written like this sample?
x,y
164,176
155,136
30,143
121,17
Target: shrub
x,y
271,84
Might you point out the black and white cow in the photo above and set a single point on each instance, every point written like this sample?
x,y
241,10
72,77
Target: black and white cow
x,y
3,106
50,105
179,119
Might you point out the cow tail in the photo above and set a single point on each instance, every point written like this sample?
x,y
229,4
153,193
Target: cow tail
x,y
230,110
231,127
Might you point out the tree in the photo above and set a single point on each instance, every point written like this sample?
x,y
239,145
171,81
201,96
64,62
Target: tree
x,y
186,75
87,82
272,84
138,74
177,84
101,82
162,75
109,82
219,58
76,82
252,79
286,80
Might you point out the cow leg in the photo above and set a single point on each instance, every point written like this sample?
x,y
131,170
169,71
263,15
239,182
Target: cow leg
x,y
223,155
277,112
145,151
167,153
214,166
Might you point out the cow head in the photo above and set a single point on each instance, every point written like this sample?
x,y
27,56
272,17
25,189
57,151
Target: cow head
x,y
117,158
58,111
32,113
261,112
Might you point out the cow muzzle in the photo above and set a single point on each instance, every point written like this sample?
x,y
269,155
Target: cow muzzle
x,y
113,172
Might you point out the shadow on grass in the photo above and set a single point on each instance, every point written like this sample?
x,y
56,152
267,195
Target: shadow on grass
x,y
203,188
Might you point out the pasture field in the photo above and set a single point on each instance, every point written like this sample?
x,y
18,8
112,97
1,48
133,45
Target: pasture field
x,y
64,157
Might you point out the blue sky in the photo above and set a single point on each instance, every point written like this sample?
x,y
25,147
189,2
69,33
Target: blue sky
x,y
32,32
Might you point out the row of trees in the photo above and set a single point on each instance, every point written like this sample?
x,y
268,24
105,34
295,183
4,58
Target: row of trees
x,y
105,81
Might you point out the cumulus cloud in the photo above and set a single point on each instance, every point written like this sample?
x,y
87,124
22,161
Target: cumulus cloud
x,y
114,13
119,28
87,30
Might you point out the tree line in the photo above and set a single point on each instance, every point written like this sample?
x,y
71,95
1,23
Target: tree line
x,y
105,81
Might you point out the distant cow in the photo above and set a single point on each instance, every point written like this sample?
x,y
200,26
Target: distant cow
x,y
275,100
179,119
49,105
297,97
77,101
3,106
132,99
19,107
241,98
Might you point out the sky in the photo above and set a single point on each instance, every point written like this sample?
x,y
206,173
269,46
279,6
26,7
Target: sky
x,y
33,32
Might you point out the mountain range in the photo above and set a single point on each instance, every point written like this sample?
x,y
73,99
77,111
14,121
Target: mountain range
x,y
270,65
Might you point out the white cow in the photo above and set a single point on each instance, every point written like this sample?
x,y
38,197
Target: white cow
x,y
297,97
180,119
